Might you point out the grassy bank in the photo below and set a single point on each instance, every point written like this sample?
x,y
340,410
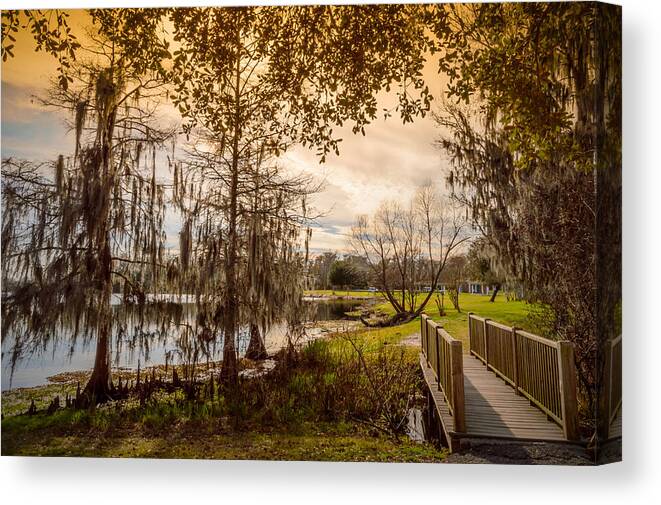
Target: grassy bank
x,y
67,436
512,313
318,405
340,399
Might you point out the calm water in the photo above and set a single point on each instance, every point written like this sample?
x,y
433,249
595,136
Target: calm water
x,y
127,351
332,310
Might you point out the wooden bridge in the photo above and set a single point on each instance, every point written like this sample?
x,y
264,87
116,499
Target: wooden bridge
x,y
513,385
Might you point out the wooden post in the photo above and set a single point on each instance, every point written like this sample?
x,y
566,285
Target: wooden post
x,y
454,444
438,356
604,399
515,358
458,404
427,321
567,375
423,330
426,342
486,342
470,333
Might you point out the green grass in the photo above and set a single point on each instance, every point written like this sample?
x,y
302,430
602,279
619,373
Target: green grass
x,y
456,323
512,313
372,340
314,442
171,427
16,401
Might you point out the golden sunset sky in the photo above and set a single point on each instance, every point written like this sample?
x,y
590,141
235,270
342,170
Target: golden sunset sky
x,y
390,162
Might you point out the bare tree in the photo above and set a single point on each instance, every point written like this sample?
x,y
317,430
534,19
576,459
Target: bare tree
x,y
452,278
408,248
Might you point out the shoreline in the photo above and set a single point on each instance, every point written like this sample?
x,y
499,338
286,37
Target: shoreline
x,y
325,297
318,330
36,369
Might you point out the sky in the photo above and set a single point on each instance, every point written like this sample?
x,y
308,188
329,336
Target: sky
x,y
389,163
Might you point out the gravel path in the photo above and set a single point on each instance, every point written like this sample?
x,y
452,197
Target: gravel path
x,y
508,453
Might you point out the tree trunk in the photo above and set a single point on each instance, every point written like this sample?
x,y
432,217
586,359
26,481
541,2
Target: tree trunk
x,y
229,372
453,294
256,347
495,292
97,389
399,318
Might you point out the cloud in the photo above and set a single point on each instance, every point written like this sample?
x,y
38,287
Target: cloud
x,y
334,238
389,163
29,130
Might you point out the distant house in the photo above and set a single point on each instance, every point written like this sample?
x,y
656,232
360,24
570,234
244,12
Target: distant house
x,y
477,288
471,287
425,287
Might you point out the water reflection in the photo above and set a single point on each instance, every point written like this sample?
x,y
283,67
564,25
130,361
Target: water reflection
x,y
148,344
332,310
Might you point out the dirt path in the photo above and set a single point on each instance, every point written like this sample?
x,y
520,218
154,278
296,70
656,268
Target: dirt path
x,y
507,453
412,340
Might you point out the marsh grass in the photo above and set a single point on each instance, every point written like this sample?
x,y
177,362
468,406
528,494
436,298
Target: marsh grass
x,y
336,381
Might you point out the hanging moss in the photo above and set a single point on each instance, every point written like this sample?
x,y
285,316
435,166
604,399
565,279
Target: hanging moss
x,y
79,228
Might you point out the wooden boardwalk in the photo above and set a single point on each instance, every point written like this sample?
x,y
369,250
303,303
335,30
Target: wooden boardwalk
x,y
510,385
492,409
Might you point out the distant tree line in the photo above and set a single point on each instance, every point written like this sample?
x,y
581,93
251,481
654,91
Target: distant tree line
x,y
330,270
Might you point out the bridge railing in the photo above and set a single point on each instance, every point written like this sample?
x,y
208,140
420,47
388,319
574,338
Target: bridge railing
x,y
615,375
444,356
610,400
540,369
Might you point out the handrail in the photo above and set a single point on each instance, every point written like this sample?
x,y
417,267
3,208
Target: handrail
x,y
537,338
540,369
444,356
615,378
610,397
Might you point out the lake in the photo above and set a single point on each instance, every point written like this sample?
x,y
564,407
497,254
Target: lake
x,y
58,357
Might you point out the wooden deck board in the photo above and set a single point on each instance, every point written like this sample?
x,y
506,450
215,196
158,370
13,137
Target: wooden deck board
x,y
493,410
